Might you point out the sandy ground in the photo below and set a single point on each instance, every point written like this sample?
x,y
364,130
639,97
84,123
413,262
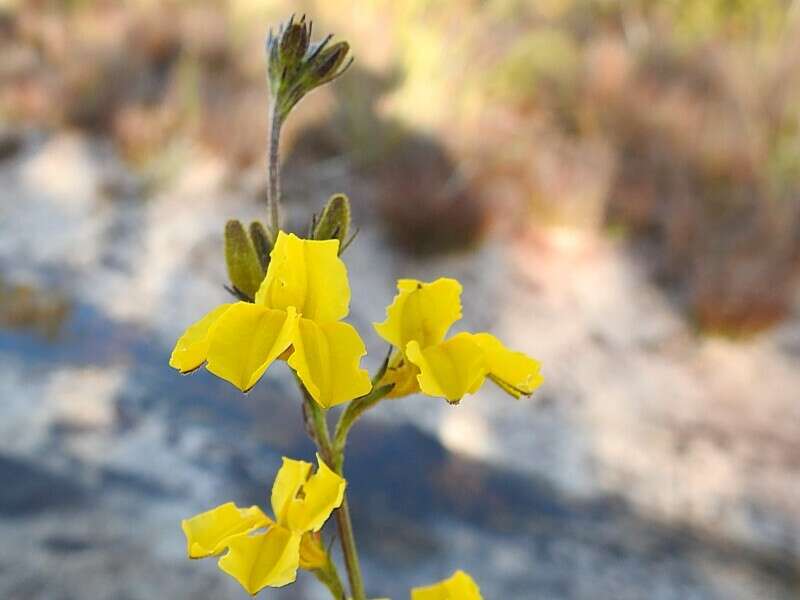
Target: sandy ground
x,y
652,464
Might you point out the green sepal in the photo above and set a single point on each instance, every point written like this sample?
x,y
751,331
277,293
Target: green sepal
x,y
244,267
261,242
334,222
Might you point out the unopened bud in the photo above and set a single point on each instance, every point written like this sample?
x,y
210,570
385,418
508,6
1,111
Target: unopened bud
x,y
244,267
326,65
296,66
261,243
334,223
294,42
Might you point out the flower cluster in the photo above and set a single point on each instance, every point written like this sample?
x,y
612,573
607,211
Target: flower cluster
x,y
293,295
296,315
297,66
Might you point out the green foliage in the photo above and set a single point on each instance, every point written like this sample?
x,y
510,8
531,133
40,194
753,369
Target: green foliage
x,y
543,58
699,20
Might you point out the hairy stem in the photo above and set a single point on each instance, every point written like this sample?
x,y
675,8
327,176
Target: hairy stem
x,y
274,185
344,523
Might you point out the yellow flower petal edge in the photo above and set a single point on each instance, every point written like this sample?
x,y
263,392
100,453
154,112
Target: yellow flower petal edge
x,y
327,359
263,559
515,372
451,369
307,275
322,494
402,374
304,503
247,338
421,312
458,587
191,348
208,533
288,482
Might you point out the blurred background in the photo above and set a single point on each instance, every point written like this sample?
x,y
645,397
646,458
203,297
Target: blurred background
x,y
615,182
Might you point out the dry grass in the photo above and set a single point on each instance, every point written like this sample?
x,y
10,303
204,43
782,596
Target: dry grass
x,y
677,121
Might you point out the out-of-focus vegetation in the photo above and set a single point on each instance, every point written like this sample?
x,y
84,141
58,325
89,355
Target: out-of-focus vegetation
x,y
676,121
27,307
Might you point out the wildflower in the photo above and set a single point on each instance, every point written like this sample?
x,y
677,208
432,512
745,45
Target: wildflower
x,y
416,324
459,587
261,551
296,314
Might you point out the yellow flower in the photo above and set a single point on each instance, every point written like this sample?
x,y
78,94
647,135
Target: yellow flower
x,y
416,324
261,551
459,587
298,308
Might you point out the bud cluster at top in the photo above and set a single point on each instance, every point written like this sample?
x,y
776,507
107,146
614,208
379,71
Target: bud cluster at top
x,y
297,66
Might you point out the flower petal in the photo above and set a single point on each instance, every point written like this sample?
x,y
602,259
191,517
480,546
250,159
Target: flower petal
x,y
322,493
421,312
514,372
290,478
308,275
403,374
450,369
245,341
458,587
208,533
326,357
191,348
264,559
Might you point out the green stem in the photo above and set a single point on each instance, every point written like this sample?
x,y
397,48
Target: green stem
x,y
354,410
329,577
343,521
358,407
348,542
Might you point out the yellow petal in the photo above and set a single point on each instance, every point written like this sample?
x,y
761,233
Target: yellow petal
x,y
313,554
402,374
451,369
421,312
245,341
263,559
514,372
208,533
459,587
191,348
308,275
290,478
326,357
321,494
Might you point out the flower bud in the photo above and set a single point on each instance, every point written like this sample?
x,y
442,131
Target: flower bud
x,y
294,42
296,66
334,223
326,65
261,242
244,267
